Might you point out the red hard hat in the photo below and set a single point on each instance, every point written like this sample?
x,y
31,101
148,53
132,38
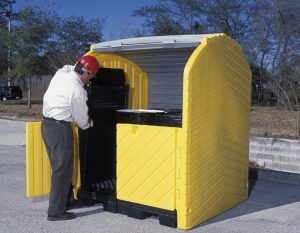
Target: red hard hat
x,y
90,63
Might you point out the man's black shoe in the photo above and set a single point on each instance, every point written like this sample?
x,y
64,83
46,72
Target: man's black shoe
x,y
63,216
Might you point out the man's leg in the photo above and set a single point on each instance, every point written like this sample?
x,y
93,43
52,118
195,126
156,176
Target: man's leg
x,y
58,138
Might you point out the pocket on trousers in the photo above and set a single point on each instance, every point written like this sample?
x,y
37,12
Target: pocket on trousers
x,y
53,132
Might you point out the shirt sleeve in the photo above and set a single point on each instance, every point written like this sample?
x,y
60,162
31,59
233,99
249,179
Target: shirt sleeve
x,y
79,110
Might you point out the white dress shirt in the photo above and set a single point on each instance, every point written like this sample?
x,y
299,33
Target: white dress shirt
x,y
65,98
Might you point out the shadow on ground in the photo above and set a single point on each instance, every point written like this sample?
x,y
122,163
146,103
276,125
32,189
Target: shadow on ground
x,y
263,194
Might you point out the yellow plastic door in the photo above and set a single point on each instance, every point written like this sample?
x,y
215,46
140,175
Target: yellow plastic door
x,y
38,170
146,165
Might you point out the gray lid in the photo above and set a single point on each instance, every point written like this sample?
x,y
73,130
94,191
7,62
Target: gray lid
x,y
152,42
140,111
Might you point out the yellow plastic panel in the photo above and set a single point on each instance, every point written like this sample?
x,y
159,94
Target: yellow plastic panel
x,y
146,165
213,166
38,169
76,182
135,77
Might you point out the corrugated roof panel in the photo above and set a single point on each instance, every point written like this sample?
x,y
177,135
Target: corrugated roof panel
x,y
152,42
165,69
163,58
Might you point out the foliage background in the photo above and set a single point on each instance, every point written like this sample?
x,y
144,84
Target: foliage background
x,y
268,31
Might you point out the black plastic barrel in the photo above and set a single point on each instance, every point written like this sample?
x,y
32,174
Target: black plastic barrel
x,y
158,117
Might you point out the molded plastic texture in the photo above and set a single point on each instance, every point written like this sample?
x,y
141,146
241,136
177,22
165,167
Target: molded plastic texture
x,y
213,163
146,165
38,169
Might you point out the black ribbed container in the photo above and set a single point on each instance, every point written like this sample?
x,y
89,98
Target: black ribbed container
x,y
97,145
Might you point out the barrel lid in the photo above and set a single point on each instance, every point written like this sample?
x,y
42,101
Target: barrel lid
x,y
140,111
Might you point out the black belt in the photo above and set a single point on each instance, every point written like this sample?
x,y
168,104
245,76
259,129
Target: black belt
x,y
57,121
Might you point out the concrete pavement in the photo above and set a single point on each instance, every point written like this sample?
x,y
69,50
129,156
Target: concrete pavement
x,y
271,207
12,132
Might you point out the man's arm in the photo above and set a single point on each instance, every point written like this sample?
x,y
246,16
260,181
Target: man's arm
x,y
79,110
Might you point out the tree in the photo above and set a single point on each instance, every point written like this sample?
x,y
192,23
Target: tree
x,y
230,17
197,16
169,17
73,38
5,12
43,42
274,46
31,32
4,4
273,33
287,34
288,94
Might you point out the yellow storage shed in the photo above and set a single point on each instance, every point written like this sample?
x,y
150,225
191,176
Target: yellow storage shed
x,y
185,172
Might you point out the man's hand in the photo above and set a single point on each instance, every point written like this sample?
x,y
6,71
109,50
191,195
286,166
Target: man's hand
x,y
91,123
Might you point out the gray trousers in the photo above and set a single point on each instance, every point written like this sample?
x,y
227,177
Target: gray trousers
x,y
59,141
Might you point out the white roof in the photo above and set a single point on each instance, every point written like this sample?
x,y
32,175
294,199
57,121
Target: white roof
x,y
152,42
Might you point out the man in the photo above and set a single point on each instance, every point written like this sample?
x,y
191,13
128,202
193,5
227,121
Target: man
x,y
65,102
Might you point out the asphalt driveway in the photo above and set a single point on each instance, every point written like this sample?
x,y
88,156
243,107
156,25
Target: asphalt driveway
x,y
271,207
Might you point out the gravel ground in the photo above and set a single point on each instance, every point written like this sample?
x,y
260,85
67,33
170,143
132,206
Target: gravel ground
x,y
272,122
